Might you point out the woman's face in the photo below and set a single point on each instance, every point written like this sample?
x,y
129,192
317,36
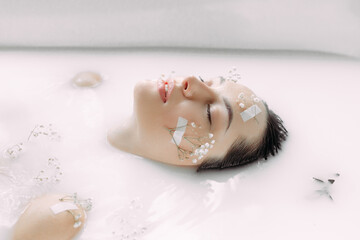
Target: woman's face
x,y
185,120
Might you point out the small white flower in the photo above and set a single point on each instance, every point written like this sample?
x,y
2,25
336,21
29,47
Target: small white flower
x,y
193,124
207,145
211,135
212,142
242,105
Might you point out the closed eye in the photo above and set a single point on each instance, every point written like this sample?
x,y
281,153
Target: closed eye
x,y
208,106
209,113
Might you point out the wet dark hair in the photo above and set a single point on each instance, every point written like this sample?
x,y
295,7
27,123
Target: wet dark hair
x,y
241,152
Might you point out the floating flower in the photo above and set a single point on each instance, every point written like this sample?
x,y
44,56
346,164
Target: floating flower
x,y
44,130
13,151
51,174
233,75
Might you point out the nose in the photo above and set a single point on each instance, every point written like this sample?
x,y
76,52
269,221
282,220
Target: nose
x,y
194,89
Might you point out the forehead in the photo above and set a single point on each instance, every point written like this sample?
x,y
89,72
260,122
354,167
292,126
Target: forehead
x,y
232,90
242,100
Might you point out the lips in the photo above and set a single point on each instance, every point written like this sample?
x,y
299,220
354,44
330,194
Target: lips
x,y
165,88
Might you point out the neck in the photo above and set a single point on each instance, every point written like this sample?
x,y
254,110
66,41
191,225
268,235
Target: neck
x,y
126,136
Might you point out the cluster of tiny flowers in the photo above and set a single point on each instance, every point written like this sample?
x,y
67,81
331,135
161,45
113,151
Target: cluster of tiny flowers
x,y
255,98
13,152
128,228
51,174
45,131
233,75
200,145
201,151
76,219
194,126
85,204
137,232
241,99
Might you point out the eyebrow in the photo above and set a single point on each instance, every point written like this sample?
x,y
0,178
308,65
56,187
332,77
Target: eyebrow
x,y
229,110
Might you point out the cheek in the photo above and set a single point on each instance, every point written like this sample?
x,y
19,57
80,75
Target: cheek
x,y
185,109
193,143
195,128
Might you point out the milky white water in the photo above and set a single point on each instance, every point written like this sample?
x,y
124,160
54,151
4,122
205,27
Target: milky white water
x,y
135,198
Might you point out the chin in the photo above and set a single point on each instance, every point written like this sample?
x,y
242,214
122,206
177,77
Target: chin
x,y
147,102
144,93
141,88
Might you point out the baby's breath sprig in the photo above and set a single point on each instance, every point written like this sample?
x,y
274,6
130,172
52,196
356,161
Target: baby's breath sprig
x,y
13,151
233,75
200,146
182,153
45,131
199,151
51,174
85,204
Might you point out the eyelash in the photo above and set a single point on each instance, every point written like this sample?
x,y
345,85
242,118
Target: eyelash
x,y
208,106
208,113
